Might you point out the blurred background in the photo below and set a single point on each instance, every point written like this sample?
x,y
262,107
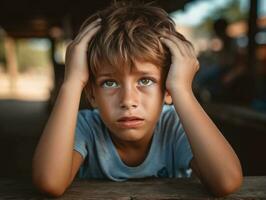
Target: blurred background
x,y
229,37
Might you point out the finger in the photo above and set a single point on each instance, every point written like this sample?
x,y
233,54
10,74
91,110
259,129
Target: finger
x,y
87,37
172,47
68,49
89,34
85,33
182,45
86,29
185,47
191,50
83,40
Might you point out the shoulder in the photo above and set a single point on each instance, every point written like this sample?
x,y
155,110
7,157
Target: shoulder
x,y
169,115
86,115
169,124
168,108
88,120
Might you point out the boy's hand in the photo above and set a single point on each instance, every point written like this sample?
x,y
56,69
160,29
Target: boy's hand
x,y
76,70
184,64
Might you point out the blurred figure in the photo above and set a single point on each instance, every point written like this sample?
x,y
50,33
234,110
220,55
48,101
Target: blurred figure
x,y
222,67
259,101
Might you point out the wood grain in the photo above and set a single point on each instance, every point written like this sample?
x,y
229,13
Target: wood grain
x,y
144,189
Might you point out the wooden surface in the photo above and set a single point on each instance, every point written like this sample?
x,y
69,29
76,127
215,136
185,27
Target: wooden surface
x,y
146,189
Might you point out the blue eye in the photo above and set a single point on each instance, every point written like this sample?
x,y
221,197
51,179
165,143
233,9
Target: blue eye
x,y
109,84
146,82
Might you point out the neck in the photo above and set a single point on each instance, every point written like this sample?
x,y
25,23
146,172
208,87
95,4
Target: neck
x,y
126,146
133,153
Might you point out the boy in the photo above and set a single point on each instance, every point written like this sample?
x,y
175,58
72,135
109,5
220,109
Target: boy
x,y
129,58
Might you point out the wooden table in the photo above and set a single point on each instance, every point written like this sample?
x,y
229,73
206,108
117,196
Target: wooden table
x,y
146,189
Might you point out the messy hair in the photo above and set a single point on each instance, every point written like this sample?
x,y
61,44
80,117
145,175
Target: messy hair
x,y
130,32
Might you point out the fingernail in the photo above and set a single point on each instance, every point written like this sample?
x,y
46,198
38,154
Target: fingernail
x,y
161,38
99,19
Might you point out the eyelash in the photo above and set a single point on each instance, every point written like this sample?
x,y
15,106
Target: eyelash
x,y
102,84
149,79
105,81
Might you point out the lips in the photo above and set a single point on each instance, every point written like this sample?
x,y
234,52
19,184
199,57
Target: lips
x,y
130,122
131,118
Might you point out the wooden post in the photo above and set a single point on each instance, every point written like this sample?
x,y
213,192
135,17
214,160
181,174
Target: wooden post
x,y
11,62
252,30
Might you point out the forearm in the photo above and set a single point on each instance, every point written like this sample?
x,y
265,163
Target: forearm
x,y
53,156
215,158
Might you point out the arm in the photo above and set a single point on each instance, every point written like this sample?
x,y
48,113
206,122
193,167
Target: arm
x,y
214,162
55,163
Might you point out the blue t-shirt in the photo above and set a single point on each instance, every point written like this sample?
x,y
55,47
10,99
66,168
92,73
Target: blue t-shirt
x,y
169,154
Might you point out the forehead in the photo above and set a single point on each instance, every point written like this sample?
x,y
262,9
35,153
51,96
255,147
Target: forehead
x,y
137,68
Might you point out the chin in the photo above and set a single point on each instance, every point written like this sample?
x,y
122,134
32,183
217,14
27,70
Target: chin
x,y
130,135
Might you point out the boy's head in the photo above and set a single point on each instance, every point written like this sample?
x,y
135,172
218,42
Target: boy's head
x,y
129,33
128,66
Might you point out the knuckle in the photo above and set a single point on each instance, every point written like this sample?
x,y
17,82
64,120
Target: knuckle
x,y
196,64
76,46
70,46
68,50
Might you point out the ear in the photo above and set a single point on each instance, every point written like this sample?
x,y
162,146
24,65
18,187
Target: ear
x,y
91,98
92,101
167,98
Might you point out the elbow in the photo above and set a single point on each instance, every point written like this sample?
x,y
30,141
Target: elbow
x,y
229,185
48,187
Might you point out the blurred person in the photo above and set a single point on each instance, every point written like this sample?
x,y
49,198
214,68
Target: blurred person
x,y
259,101
222,67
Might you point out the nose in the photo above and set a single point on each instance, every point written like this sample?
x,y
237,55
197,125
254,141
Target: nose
x,y
128,97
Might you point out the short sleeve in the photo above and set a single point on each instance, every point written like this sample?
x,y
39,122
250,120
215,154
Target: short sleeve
x,y
180,145
183,150
81,134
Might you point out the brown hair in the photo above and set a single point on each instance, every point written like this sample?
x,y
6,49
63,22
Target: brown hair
x,y
130,32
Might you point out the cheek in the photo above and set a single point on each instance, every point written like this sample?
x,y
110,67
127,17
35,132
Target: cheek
x,y
152,98
105,101
153,92
106,109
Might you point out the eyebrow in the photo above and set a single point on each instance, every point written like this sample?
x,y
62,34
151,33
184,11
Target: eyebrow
x,y
106,74
143,73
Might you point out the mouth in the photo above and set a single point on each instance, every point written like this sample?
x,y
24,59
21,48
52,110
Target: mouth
x,y
130,122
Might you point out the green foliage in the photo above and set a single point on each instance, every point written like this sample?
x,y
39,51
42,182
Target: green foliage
x,y
2,51
30,56
231,12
